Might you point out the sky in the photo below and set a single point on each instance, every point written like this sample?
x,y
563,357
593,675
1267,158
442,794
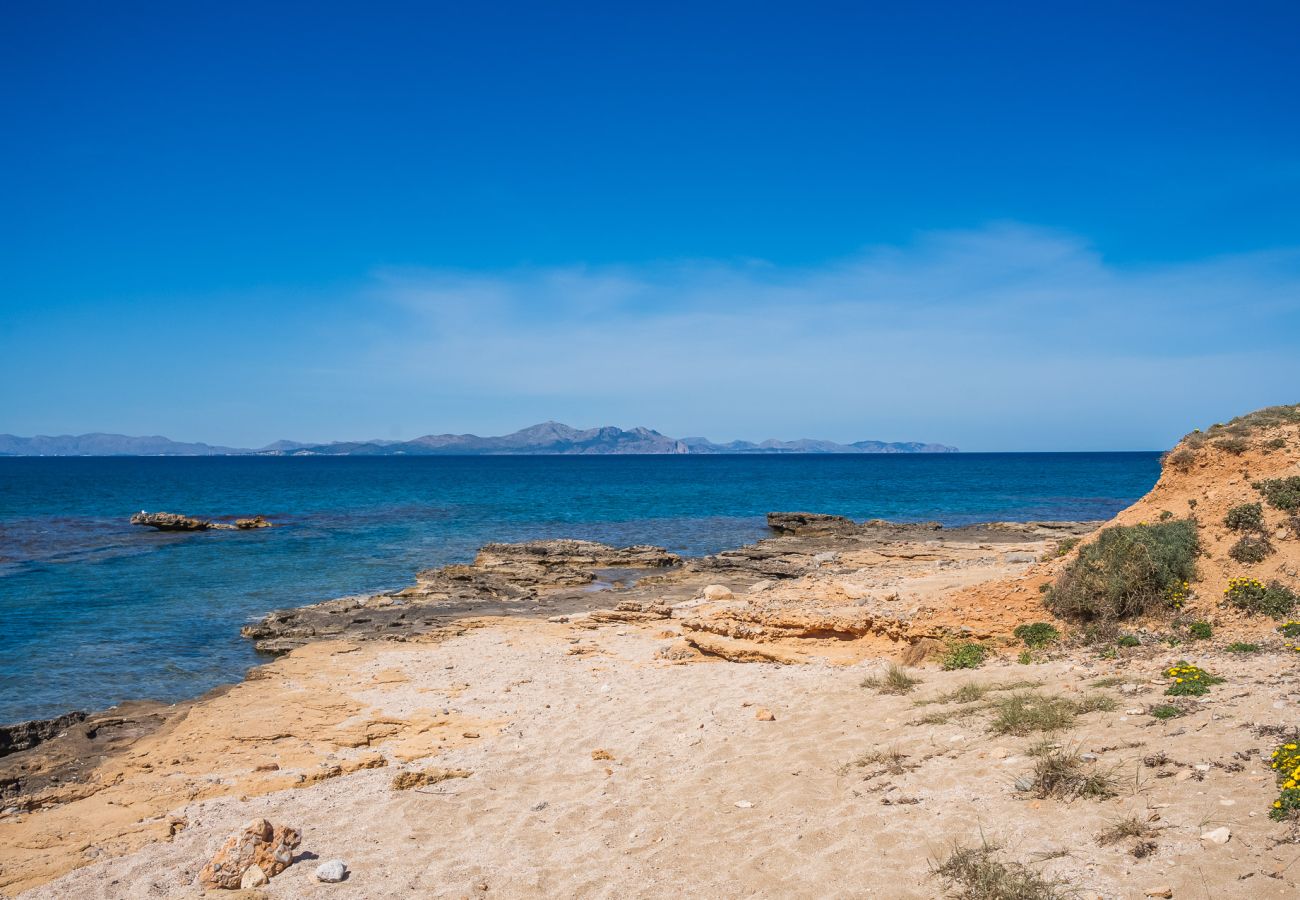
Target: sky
x,y
1003,226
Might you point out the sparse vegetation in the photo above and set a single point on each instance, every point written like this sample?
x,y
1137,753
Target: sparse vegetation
x,y
1281,493
1167,711
1129,570
1063,546
964,655
1037,635
1246,517
1200,630
1277,443
1240,647
1128,640
975,873
1062,774
1251,548
1026,712
1189,680
1289,629
1233,445
1180,460
894,681
1251,595
1127,829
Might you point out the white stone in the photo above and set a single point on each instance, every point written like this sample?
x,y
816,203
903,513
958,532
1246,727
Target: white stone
x,y
253,877
332,872
1218,835
716,592
744,804
759,586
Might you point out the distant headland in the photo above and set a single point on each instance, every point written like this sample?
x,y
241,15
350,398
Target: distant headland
x,y
545,439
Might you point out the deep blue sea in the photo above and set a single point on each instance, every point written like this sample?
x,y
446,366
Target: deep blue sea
x,y
96,611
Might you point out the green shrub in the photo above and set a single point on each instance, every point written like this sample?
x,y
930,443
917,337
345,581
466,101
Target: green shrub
x,y
964,655
1286,767
1189,680
1276,444
1128,640
1037,635
1290,629
1063,546
894,681
1129,570
1246,517
1200,630
1025,657
1233,445
1239,647
1281,493
1167,711
1274,600
1251,548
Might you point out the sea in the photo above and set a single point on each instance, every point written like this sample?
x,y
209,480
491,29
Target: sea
x,y
96,611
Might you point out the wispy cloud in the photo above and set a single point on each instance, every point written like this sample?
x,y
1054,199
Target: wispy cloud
x,y
1002,336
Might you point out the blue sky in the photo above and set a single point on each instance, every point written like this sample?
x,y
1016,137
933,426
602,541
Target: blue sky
x,y
1002,226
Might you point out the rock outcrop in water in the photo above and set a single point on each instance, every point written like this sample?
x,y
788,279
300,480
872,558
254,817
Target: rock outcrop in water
x,y
809,523
502,580
165,521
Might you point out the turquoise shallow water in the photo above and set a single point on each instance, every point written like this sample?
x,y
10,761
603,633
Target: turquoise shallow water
x,y
97,611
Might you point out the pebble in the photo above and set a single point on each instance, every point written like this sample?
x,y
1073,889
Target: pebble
x,y
1218,835
765,715
1025,783
744,804
332,872
1162,891
1088,757
1202,767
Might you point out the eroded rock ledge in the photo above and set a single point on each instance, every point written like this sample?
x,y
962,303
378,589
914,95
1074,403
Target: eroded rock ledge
x,y
504,579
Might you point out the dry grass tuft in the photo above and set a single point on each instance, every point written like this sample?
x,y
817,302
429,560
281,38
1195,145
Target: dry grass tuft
x,y
975,873
894,681
1061,774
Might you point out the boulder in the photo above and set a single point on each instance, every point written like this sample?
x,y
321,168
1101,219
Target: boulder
x,y
259,846
809,523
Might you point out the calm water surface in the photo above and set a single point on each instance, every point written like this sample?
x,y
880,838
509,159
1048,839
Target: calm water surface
x,y
97,611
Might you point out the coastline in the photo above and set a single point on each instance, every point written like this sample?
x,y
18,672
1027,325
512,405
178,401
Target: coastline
x,y
543,587
652,720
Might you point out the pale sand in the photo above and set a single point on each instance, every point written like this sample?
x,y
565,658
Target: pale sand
x,y
540,817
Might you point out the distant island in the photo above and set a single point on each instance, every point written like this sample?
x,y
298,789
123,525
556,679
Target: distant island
x,y
546,439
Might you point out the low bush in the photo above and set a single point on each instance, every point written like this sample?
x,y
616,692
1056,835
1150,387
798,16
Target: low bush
x,y
1246,517
1251,548
1129,570
1290,629
964,655
1128,640
1200,630
1180,460
1286,765
1189,680
1281,493
1233,445
1037,635
1241,647
1274,600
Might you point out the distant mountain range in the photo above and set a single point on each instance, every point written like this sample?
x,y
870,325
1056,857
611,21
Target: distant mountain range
x,y
548,438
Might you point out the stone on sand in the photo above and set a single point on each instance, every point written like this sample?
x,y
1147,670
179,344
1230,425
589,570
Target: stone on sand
x,y
259,844
331,872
